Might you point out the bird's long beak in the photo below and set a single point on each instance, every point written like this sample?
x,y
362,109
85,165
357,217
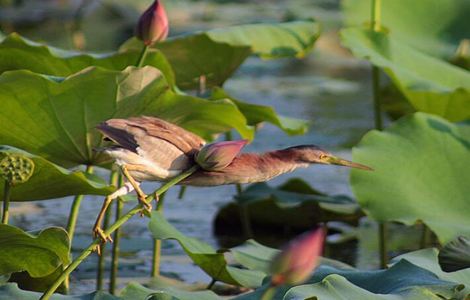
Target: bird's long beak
x,y
333,160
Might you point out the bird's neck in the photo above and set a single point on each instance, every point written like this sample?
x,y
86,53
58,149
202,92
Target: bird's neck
x,y
274,163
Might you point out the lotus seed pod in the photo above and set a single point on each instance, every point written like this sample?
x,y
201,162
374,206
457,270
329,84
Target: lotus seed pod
x,y
16,168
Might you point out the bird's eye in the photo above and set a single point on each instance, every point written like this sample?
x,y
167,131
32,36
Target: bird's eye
x,y
322,156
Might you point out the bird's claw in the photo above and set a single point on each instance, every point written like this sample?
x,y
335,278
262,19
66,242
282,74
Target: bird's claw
x,y
146,207
99,233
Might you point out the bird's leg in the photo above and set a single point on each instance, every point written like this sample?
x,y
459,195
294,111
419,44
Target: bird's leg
x,y
141,196
97,229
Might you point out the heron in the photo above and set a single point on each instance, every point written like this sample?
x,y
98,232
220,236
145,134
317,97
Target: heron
x,y
151,149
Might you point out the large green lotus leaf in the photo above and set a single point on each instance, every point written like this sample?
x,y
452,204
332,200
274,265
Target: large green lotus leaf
x,y
403,280
432,26
52,181
430,84
428,259
38,254
11,291
420,173
290,39
256,114
208,259
455,255
18,53
55,117
136,291
217,53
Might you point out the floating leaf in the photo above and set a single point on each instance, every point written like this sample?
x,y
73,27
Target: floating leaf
x,y
428,259
55,117
11,291
202,254
217,53
414,22
419,174
18,53
256,114
403,280
431,85
455,255
136,291
52,181
38,254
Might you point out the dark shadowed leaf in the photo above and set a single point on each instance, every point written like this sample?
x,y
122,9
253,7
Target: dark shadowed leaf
x,y
419,174
428,259
56,117
39,254
430,84
136,291
256,114
18,53
11,291
290,194
52,181
208,259
455,255
217,53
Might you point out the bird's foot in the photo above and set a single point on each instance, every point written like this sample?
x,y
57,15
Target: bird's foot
x,y
99,233
146,207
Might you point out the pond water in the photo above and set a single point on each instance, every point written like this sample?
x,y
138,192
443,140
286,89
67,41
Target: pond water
x,y
329,88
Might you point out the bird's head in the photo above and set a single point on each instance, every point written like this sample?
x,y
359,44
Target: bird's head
x,y
314,155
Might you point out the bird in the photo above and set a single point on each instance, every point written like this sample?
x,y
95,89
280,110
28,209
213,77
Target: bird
x,y
152,149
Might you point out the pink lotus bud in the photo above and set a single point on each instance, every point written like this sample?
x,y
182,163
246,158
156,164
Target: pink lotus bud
x,y
153,24
298,259
217,156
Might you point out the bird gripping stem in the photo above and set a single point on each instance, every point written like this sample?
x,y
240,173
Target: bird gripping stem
x,y
85,253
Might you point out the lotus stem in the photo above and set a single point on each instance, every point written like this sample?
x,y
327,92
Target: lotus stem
x,y
375,25
182,192
157,243
211,284
6,201
426,234
244,215
269,293
142,56
113,180
136,209
115,251
101,259
72,222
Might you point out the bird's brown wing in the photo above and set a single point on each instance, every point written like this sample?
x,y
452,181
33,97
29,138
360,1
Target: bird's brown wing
x,y
186,141
144,132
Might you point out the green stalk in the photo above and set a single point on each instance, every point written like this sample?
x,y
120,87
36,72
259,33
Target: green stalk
x,y
6,202
136,209
375,26
116,244
142,56
182,191
269,293
101,259
73,216
115,253
244,215
113,180
157,244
